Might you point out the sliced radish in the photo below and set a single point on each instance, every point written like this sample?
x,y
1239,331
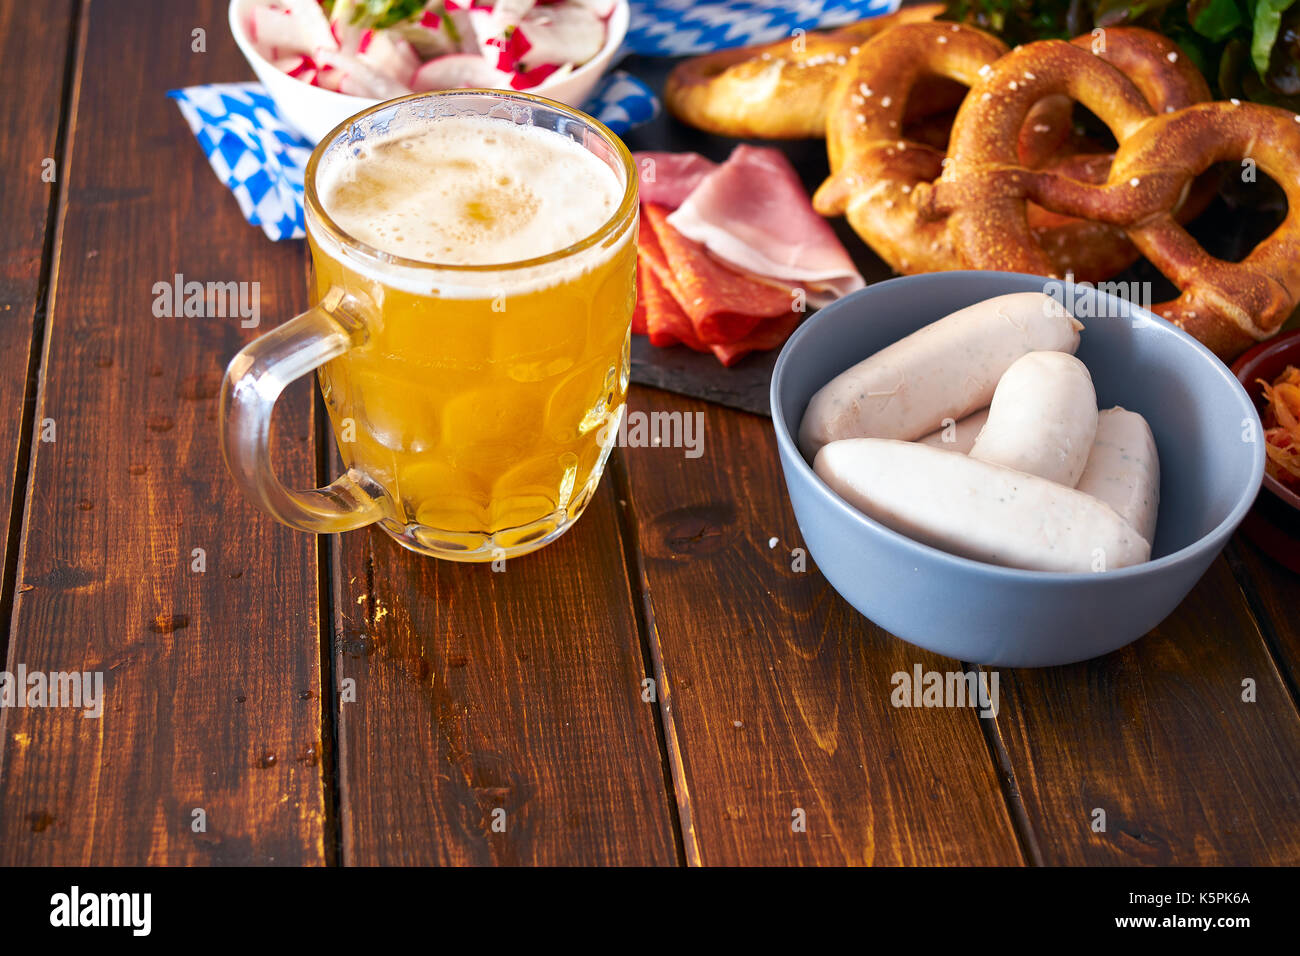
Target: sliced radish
x,y
358,78
390,55
310,19
601,8
275,33
458,71
297,66
527,79
429,36
494,28
327,78
347,37
561,34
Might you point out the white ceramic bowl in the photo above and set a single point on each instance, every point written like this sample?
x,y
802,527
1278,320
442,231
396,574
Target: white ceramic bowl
x,y
314,111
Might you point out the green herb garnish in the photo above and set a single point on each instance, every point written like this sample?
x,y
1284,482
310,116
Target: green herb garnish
x,y
1245,48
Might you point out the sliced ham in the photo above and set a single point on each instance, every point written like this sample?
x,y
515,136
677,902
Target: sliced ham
x,y
752,211
666,179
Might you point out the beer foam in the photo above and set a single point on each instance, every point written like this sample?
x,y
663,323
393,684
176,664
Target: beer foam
x,y
470,191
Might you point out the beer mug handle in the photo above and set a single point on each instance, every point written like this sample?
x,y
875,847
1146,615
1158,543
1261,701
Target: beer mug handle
x,y
254,380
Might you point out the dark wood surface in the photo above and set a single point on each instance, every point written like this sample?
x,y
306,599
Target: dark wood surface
x,y
477,691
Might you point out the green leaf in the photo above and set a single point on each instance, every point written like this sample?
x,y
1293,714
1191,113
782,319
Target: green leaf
x,y
1268,20
1215,19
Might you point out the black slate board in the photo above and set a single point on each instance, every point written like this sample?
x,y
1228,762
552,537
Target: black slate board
x,y
1226,230
700,375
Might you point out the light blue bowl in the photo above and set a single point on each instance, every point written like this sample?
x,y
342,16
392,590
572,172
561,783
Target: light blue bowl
x,y
1210,469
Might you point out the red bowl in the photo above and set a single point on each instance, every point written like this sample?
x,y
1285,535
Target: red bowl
x,y
1274,523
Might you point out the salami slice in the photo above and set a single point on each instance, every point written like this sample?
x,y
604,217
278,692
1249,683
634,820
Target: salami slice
x,y
723,305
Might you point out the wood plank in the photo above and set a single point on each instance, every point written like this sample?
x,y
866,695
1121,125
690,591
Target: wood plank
x,y
1273,593
777,693
36,41
1157,735
479,690
211,679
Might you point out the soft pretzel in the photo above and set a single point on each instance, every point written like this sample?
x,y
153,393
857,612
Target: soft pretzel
x,y
780,90
984,190
1089,250
1227,305
873,168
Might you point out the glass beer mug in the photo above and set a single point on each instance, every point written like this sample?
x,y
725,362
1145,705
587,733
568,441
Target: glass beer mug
x,y
473,277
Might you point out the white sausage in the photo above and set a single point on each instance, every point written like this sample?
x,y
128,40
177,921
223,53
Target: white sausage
x,y
1043,418
960,436
1124,469
978,510
946,369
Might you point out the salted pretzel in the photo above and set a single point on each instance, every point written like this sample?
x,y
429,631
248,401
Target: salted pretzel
x,y
1084,248
780,90
984,191
875,168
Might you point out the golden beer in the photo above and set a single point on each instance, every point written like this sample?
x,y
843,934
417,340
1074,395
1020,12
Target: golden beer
x,y
494,263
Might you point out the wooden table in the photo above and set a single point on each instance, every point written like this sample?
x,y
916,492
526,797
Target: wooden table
x,y
467,692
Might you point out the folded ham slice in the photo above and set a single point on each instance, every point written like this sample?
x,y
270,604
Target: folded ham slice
x,y
666,179
753,213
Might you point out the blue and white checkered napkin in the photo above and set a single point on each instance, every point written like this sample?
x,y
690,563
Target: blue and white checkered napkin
x,y
261,159
255,153
679,27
